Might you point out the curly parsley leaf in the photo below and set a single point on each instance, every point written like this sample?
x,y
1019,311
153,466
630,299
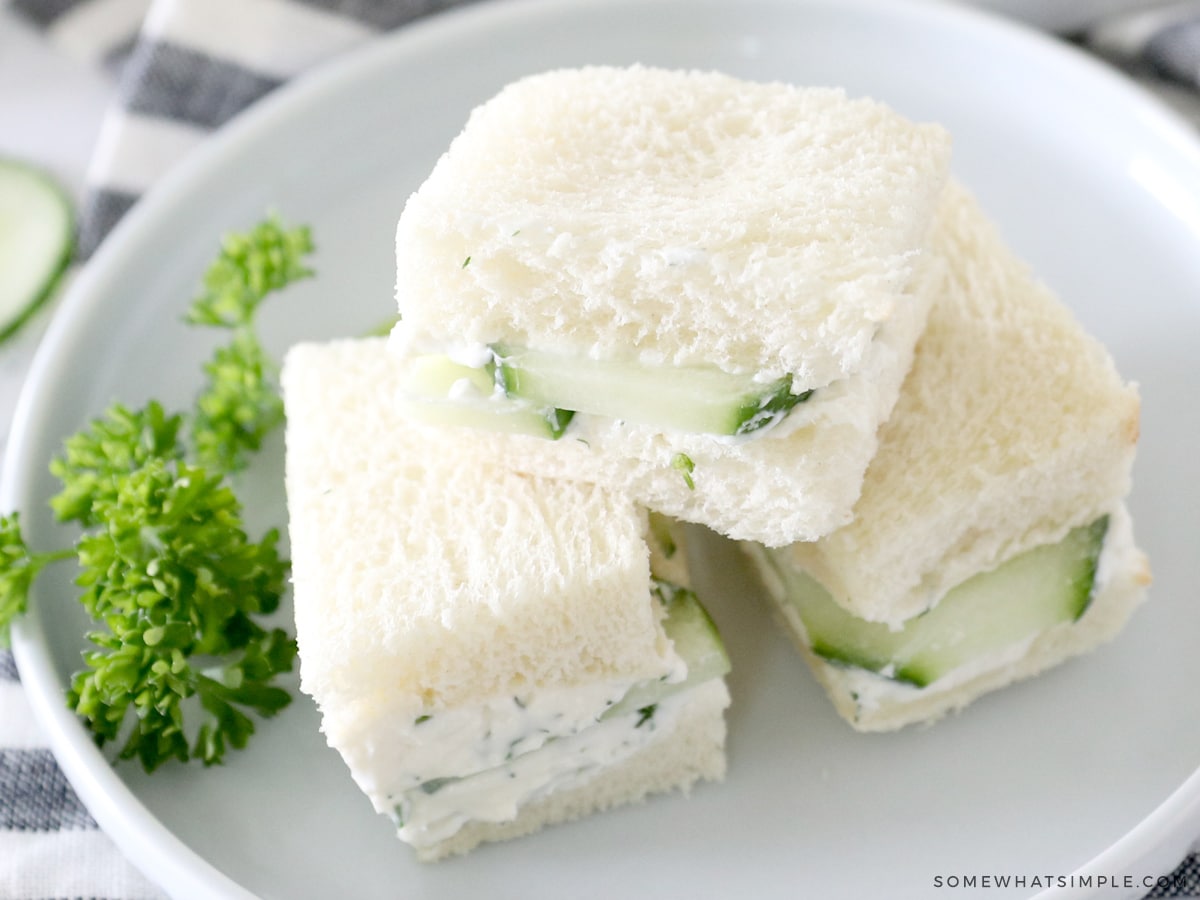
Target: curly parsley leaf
x,y
177,583
250,267
240,406
95,460
18,569
167,570
240,403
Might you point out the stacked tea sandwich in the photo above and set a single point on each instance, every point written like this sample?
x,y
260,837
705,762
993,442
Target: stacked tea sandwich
x,y
634,289
991,540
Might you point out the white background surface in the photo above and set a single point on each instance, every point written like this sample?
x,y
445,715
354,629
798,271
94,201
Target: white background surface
x,y
51,108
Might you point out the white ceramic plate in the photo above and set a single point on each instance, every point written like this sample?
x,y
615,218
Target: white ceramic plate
x,y
1088,767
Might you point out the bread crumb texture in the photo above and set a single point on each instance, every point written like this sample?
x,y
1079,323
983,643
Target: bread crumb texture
x,y
425,571
1012,427
687,218
797,481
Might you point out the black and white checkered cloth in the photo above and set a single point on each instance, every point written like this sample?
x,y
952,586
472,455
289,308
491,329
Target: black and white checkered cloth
x,y
185,67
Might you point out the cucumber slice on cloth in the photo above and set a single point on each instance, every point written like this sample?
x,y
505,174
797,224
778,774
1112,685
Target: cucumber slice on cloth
x,y
37,237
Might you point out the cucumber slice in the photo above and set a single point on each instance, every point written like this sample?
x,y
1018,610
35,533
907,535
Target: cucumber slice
x,y
689,399
549,424
444,392
437,377
37,238
985,614
694,400
696,639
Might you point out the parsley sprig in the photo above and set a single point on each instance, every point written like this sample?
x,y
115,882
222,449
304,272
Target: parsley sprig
x,y
168,572
240,404
18,569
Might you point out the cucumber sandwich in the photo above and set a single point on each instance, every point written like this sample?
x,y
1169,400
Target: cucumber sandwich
x,y
699,291
991,540
490,652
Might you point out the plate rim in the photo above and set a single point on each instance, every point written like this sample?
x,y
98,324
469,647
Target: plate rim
x,y
1157,842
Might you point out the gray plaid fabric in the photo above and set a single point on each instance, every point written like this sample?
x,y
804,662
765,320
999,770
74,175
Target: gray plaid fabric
x,y
44,12
8,668
37,795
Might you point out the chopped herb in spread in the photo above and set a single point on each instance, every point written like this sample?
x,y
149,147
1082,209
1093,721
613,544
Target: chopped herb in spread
x,y
681,462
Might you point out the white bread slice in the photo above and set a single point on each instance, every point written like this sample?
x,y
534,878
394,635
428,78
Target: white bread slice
x,y
673,218
797,482
687,218
431,583
423,569
1012,428
870,702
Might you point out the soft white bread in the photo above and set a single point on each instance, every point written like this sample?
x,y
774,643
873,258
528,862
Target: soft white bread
x,y
466,630
427,577
870,702
1012,427
690,751
687,218
673,218
797,482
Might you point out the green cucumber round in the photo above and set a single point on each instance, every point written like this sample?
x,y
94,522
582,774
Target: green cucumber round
x,y
37,239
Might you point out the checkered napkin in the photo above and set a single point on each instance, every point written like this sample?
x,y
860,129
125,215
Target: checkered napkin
x,y
185,67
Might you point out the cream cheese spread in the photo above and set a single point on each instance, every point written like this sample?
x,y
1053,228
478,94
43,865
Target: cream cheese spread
x,y
436,770
872,690
434,812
